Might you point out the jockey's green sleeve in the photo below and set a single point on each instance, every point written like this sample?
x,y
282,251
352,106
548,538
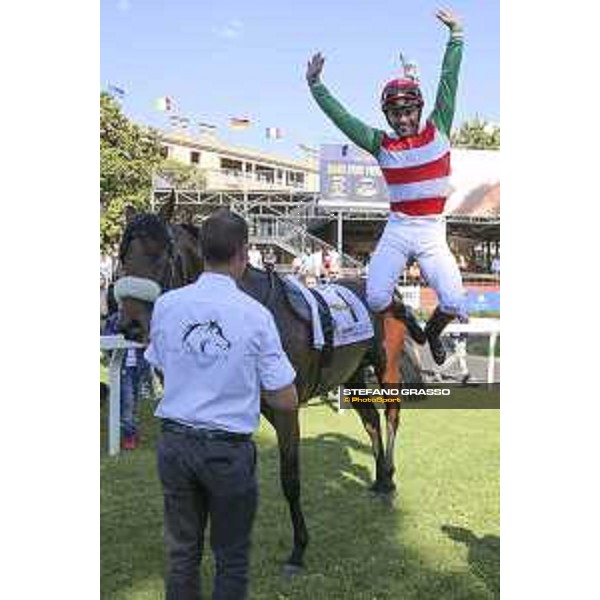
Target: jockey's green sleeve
x,y
362,135
443,112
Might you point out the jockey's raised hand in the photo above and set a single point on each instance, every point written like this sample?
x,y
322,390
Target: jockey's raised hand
x,y
314,68
449,19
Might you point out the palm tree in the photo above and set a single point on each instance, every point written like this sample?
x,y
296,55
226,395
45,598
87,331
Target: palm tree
x,y
477,134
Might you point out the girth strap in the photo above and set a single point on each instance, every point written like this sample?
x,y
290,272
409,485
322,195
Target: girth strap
x,y
327,323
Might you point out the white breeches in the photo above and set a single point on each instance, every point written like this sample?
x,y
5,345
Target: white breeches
x,y
424,240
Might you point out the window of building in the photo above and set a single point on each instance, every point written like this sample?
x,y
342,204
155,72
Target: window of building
x,y
295,178
194,157
265,174
231,165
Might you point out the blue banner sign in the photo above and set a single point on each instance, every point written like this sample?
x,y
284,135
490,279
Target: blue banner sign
x,y
482,301
350,175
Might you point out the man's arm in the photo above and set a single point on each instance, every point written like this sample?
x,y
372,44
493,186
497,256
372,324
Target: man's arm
x,y
362,135
443,113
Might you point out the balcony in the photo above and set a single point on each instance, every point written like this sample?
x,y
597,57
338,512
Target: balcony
x,y
235,179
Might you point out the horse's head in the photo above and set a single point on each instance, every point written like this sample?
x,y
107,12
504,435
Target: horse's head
x,y
154,256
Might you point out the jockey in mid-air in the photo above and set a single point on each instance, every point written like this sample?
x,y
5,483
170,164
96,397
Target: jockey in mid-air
x,y
415,163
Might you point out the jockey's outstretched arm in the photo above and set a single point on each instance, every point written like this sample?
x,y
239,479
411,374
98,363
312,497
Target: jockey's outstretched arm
x,y
443,112
362,135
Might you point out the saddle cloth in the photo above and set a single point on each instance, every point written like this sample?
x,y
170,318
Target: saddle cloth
x,y
330,307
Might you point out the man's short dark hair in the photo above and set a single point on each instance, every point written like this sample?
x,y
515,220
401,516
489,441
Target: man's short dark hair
x,y
222,236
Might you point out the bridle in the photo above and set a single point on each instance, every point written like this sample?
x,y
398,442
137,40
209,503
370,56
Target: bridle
x,y
172,273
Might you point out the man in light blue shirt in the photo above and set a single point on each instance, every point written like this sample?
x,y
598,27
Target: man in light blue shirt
x,y
218,349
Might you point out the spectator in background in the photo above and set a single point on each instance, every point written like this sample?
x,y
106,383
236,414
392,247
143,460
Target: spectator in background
x,y
326,262
134,369
334,263
316,263
255,257
270,258
495,267
310,281
305,263
296,265
106,267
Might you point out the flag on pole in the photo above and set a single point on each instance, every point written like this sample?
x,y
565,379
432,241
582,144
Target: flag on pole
x,y
179,122
165,103
308,149
206,125
239,123
116,91
274,133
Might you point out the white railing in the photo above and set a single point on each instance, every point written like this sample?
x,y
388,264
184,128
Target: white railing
x,y
116,345
294,238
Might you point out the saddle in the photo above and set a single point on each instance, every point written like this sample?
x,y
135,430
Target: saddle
x,y
302,310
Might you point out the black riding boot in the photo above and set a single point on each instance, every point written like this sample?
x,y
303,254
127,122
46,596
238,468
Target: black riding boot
x,y
433,329
407,316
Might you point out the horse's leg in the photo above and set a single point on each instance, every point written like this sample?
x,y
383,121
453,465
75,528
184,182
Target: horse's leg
x,y
369,416
391,377
287,428
392,419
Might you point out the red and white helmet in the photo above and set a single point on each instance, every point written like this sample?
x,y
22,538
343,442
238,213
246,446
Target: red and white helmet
x,y
404,90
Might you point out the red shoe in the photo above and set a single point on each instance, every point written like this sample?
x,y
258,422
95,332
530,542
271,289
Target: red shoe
x,y
130,442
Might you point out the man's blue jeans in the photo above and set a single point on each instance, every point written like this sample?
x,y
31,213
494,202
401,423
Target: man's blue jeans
x,y
202,479
130,396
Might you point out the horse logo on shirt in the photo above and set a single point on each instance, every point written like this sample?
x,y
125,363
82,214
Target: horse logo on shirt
x,y
206,338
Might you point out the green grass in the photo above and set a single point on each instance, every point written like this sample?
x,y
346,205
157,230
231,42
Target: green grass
x,y
361,548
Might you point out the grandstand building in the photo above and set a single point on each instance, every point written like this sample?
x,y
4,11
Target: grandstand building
x,y
233,168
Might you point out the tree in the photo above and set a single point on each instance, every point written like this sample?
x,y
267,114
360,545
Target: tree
x,y
129,155
477,134
181,175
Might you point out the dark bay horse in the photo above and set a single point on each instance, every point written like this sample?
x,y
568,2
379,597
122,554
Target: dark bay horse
x,y
162,255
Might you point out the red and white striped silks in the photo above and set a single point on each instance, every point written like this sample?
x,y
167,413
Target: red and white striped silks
x,y
417,171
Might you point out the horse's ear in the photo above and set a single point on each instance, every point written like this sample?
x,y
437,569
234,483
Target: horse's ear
x,y
168,208
130,212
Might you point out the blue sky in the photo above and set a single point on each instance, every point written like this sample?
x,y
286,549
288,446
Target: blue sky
x,y
248,58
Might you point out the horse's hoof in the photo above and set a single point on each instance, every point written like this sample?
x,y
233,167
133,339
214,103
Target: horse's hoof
x,y
383,491
290,570
386,497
